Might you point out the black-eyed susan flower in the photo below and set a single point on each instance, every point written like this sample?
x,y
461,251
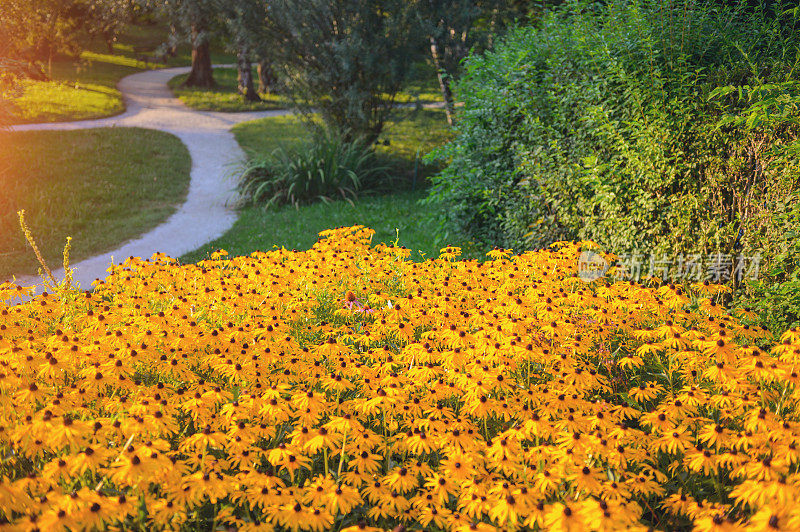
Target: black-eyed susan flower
x,y
345,384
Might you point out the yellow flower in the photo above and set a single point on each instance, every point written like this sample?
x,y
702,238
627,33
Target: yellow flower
x,y
401,480
449,394
564,518
342,499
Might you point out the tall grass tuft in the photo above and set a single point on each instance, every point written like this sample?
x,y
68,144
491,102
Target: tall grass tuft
x,y
329,167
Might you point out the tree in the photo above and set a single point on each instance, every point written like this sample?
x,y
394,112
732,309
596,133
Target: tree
x,y
454,27
35,32
266,75
345,59
245,22
194,21
105,18
447,24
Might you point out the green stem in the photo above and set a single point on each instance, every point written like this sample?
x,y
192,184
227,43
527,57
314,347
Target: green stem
x,y
718,484
385,441
214,519
341,457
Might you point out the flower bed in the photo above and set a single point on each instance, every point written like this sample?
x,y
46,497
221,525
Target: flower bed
x,y
348,388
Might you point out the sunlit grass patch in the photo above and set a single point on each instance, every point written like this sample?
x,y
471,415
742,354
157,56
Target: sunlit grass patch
x,y
225,97
408,135
116,59
50,101
261,137
422,85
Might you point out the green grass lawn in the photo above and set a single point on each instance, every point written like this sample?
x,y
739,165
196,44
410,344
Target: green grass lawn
x,y
225,97
101,187
389,215
261,137
422,86
86,88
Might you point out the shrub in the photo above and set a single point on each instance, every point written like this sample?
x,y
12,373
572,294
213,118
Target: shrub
x,y
776,294
326,168
346,387
663,128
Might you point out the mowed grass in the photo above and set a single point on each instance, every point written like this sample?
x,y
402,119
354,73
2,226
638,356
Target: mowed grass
x,y
261,137
225,97
390,216
54,101
86,88
101,187
396,217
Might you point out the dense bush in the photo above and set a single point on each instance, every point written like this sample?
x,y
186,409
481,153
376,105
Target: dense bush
x,y
348,388
663,128
776,294
328,167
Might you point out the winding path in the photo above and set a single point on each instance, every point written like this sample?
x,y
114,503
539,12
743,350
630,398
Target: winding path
x,y
206,213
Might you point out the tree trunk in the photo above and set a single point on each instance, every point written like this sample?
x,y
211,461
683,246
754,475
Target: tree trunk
x,y
266,76
444,81
109,38
172,49
202,74
246,87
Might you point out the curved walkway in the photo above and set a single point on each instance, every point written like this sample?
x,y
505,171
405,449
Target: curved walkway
x,y
206,213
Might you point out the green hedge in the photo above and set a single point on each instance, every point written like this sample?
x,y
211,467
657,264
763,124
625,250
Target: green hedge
x,y
659,128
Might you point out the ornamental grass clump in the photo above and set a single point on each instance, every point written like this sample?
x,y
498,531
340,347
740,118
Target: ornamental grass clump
x,y
348,388
327,168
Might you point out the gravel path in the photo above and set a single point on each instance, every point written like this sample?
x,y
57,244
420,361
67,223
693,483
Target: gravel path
x,y
206,214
